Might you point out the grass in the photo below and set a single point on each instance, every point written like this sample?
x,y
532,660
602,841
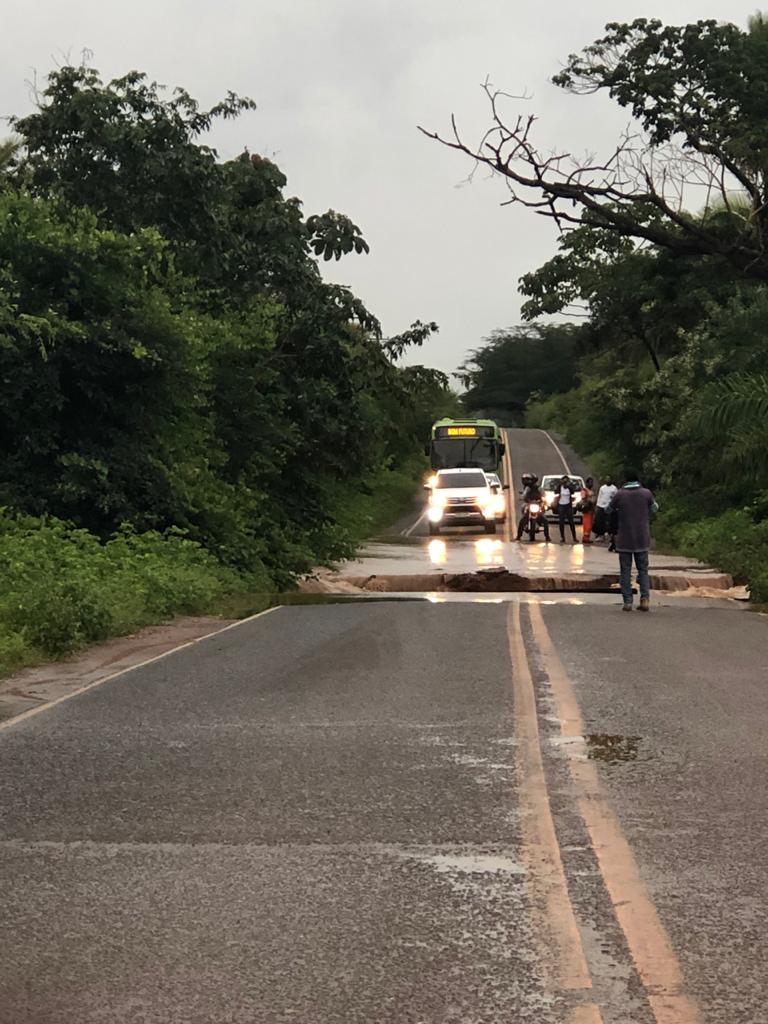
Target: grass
x,y
63,589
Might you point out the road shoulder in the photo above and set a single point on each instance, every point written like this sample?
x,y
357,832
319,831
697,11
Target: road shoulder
x,y
35,687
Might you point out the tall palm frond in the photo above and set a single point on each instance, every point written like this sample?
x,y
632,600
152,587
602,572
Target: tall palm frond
x,y
746,451
735,208
757,24
8,151
735,410
738,399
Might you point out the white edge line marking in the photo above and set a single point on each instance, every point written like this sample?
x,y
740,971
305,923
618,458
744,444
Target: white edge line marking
x,y
559,451
412,527
131,668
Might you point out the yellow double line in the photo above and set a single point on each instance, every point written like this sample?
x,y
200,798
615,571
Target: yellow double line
x,y
646,937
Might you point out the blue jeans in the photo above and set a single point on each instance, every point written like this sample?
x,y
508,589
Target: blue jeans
x,y
625,570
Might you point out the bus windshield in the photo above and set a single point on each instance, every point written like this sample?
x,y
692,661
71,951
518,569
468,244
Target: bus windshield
x,y
461,452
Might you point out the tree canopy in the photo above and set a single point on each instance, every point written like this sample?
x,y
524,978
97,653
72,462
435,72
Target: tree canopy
x,y
662,255
698,94
170,356
515,363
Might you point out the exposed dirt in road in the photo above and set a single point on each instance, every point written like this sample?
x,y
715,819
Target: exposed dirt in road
x,y
501,580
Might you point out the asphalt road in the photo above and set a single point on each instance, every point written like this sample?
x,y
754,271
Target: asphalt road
x,y
547,813
528,451
340,813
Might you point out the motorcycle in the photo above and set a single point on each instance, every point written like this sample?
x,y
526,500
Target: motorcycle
x,y
532,512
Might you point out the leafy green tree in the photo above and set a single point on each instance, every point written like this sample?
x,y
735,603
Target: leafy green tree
x,y
136,158
97,369
9,151
170,356
514,364
638,301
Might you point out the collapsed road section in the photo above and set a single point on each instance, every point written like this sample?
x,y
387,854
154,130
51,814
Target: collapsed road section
x,y
499,579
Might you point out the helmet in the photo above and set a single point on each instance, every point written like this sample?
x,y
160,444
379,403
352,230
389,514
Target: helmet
x,y
528,478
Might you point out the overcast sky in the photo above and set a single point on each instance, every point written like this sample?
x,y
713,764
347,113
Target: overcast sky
x,y
341,86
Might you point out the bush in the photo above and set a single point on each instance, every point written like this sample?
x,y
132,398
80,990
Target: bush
x,y
732,541
63,589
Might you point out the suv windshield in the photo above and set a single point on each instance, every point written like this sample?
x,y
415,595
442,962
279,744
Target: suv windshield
x,y
462,480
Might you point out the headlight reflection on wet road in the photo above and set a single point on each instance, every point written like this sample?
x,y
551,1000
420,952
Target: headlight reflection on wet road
x,y
438,552
488,552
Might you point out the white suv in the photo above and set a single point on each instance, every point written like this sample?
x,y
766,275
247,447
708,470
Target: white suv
x,y
548,485
460,497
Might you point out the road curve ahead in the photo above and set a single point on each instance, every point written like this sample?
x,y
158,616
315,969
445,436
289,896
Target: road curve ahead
x,y
399,811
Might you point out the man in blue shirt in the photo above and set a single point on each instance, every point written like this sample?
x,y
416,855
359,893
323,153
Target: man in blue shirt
x,y
634,505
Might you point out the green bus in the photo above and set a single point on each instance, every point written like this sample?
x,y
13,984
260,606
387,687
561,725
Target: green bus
x,y
457,444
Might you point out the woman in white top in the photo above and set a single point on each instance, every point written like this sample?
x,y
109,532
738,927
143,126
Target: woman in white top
x,y
604,499
564,495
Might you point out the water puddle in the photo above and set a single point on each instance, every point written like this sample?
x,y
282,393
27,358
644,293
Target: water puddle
x,y
612,749
473,864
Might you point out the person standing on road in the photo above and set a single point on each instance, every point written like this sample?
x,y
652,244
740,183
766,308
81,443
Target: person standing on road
x,y
604,498
634,505
587,506
564,503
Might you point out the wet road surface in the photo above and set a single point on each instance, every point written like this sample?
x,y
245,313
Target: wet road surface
x,y
408,548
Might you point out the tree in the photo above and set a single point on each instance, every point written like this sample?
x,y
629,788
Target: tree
x,y
99,392
135,158
9,150
637,300
700,96
736,412
515,363
170,356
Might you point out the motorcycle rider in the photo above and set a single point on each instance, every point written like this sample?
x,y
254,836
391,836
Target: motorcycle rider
x,y
532,493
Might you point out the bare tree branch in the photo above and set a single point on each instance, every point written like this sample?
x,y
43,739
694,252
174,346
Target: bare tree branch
x,y
640,189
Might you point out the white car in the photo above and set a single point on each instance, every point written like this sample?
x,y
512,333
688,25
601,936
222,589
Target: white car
x,y
500,502
461,497
548,485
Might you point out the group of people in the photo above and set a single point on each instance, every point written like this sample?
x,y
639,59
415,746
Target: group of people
x,y
598,515
568,500
619,516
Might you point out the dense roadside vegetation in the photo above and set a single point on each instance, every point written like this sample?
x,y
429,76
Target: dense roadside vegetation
x,y
500,376
670,350
188,412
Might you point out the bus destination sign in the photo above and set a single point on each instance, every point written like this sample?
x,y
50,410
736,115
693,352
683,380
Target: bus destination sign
x,y
462,431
